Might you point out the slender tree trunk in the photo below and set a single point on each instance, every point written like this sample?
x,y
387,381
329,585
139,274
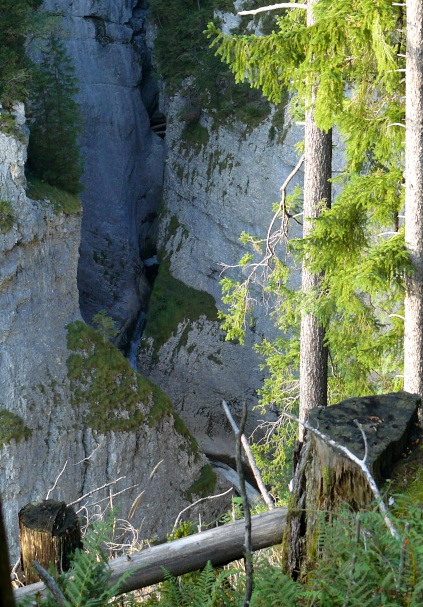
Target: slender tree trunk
x,y
317,172
413,326
6,593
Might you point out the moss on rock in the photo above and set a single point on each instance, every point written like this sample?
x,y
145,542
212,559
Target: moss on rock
x,y
12,427
118,398
172,302
204,485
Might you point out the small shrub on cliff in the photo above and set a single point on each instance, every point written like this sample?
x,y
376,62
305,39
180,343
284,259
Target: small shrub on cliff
x,y
12,427
7,217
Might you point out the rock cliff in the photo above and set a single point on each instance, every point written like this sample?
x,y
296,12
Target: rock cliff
x,y
123,157
52,436
218,184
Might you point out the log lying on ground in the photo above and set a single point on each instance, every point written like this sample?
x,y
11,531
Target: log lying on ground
x,y
220,546
326,480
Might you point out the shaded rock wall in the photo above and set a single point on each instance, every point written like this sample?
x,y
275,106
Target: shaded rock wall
x,y
216,187
123,157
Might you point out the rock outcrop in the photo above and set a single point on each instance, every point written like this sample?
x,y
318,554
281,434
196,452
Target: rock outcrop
x,y
216,187
47,440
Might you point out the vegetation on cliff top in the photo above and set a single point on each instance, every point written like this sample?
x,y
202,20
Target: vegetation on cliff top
x,y
183,53
62,201
118,398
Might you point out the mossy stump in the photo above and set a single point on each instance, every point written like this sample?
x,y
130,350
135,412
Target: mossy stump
x,y
49,533
326,480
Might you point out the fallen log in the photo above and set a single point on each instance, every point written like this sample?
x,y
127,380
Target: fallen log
x,y
220,546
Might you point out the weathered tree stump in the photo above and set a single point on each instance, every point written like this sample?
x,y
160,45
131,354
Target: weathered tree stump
x,y
325,479
48,533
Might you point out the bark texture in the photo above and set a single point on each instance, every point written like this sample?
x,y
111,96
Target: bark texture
x,y
317,172
6,593
49,533
413,327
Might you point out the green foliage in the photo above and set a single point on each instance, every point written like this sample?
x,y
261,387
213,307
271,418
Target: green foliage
x,y
105,325
55,122
63,202
17,20
204,485
205,589
118,398
7,217
348,67
183,53
12,427
171,303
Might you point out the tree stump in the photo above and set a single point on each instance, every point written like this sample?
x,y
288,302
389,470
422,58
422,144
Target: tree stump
x,y
49,533
325,480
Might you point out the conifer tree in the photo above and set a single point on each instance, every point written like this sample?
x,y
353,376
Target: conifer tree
x,y
15,22
53,153
353,52
317,191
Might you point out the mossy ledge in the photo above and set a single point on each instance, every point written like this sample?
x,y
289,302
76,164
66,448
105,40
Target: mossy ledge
x,y
12,427
171,303
118,398
204,485
62,202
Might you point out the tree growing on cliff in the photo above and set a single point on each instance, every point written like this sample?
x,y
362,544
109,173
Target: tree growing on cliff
x,y
55,122
16,18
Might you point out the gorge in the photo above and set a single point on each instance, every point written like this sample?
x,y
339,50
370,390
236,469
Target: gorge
x,y
187,197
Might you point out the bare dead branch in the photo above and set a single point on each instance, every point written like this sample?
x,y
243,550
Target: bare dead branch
x,y
203,499
265,494
56,481
273,7
95,491
50,583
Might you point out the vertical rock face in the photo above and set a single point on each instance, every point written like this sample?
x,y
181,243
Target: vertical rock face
x,y
123,157
46,442
218,183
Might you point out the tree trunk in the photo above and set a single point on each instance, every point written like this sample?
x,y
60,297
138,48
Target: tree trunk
x,y
317,188
48,533
6,593
413,325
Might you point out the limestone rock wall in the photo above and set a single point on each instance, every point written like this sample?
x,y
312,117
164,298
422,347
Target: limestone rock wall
x,y
216,187
123,158
44,441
